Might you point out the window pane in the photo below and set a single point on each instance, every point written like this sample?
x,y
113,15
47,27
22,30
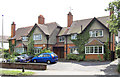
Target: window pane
x,y
100,33
90,32
97,33
91,49
100,49
87,49
93,33
96,49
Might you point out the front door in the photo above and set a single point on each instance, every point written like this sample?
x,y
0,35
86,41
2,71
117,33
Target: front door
x,y
59,51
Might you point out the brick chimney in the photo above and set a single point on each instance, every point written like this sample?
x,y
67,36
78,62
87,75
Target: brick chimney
x,y
13,26
41,19
70,19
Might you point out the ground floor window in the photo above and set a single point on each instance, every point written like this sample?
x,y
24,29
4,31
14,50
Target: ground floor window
x,y
19,50
73,49
94,49
37,51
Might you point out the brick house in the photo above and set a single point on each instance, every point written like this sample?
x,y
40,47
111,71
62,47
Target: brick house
x,y
99,33
58,39
44,36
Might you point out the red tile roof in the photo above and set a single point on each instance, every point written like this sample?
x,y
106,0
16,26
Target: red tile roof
x,y
94,42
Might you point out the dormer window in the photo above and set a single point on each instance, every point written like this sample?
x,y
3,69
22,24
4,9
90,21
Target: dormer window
x,y
74,36
24,38
61,39
96,33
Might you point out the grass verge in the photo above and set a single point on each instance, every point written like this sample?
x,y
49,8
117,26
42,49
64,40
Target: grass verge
x,y
14,72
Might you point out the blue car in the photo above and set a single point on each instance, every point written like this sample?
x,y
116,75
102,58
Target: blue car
x,y
46,57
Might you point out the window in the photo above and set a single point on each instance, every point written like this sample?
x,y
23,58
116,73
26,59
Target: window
x,y
73,49
94,50
97,33
36,50
24,38
61,39
37,37
74,36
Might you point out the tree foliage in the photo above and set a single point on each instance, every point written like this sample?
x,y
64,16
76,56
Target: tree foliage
x,y
81,40
114,22
30,47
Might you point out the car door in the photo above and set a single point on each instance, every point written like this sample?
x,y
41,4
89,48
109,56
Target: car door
x,y
46,57
40,58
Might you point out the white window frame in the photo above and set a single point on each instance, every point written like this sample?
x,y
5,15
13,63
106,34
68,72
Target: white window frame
x,y
94,32
73,49
94,50
74,36
61,39
24,38
36,38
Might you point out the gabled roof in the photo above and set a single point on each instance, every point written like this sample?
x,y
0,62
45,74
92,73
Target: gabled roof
x,y
94,42
76,25
24,31
48,28
63,31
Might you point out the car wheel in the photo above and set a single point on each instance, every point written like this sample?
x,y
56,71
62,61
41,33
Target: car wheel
x,y
35,61
48,62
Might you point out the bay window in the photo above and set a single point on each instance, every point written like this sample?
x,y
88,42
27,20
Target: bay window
x,y
94,49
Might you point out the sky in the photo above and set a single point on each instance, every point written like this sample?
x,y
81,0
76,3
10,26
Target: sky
x,y
25,12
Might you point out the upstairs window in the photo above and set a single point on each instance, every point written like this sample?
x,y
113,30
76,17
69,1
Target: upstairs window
x,y
61,39
24,38
97,33
37,37
74,36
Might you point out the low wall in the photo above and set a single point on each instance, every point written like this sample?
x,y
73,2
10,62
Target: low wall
x,y
31,66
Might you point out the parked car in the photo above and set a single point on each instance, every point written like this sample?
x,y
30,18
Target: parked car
x,y
23,58
46,57
3,60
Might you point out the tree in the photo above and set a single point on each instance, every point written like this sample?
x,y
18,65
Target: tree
x,y
30,47
81,40
114,22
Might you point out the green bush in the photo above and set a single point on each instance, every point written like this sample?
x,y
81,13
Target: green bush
x,y
6,55
99,57
80,57
71,57
118,53
36,54
118,69
16,54
75,57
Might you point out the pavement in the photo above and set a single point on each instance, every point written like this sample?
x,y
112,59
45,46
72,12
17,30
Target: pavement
x,y
78,68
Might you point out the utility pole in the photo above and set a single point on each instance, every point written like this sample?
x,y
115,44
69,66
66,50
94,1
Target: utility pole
x,y
2,37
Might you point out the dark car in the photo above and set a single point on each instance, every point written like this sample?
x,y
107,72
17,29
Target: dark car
x,y
23,58
46,57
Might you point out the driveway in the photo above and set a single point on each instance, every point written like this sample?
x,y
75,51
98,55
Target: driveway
x,y
78,68
81,68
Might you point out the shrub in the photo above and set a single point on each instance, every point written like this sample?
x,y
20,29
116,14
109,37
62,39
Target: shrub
x,y
16,54
99,57
80,57
71,57
6,55
118,53
118,69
